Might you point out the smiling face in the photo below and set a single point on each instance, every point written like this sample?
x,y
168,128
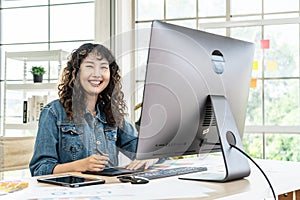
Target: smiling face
x,y
94,74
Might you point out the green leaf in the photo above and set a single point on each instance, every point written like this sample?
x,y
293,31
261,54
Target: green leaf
x,y
37,70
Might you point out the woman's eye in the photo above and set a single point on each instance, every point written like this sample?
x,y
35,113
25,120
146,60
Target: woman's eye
x,y
104,67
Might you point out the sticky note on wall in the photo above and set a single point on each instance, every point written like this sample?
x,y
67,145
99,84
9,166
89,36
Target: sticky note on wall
x,y
265,44
253,83
272,65
255,65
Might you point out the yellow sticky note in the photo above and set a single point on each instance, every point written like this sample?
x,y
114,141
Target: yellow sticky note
x,y
253,83
255,65
272,65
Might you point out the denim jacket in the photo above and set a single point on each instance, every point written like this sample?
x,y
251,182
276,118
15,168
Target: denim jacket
x,y
61,141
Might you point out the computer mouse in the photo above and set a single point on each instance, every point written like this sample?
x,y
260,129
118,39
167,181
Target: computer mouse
x,y
139,180
133,179
125,179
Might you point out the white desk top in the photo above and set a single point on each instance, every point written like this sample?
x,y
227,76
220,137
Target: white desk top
x,y
284,177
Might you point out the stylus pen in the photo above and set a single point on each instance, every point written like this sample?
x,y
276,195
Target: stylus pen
x,y
102,154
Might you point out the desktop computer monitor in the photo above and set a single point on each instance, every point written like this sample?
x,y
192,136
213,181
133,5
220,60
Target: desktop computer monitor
x,y
195,96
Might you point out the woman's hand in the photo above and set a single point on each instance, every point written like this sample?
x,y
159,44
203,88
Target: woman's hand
x,y
94,162
137,164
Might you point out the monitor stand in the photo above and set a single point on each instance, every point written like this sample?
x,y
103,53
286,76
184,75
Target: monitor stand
x,y
236,164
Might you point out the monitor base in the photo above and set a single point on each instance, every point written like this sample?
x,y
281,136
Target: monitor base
x,y
236,164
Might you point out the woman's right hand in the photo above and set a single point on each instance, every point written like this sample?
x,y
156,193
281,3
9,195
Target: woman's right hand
x,y
94,162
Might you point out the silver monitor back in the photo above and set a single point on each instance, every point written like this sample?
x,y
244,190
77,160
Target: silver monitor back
x,y
185,67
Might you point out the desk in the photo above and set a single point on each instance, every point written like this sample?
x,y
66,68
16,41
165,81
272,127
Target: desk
x,y
283,175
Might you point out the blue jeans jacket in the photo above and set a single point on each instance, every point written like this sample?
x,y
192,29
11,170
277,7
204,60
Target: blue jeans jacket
x,y
61,141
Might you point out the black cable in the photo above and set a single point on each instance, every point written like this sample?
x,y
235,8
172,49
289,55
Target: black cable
x,y
245,154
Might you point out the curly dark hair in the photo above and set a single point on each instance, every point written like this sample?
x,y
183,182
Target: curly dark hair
x,y
71,95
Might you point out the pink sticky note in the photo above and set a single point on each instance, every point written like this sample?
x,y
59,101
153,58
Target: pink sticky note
x,y
265,44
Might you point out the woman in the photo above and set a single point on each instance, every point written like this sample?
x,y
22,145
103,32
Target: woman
x,y
88,118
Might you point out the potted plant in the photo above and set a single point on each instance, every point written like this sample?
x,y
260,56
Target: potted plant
x,y
37,72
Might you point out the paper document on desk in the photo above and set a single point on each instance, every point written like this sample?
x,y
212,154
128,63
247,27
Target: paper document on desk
x,y
167,189
11,186
109,191
155,189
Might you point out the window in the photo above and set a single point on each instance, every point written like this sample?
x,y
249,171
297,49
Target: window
x,y
39,25
273,114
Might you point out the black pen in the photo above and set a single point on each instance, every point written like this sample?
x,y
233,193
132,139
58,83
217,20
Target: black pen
x,y
102,154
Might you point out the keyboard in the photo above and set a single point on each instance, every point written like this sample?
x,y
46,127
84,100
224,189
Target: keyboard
x,y
169,172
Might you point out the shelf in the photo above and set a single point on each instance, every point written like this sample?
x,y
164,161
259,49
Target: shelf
x,y
26,86
54,55
32,86
21,126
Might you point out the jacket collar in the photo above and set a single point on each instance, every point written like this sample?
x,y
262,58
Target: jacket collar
x,y
100,115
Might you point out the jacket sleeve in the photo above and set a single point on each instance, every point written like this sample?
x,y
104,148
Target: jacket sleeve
x,y
127,140
45,156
